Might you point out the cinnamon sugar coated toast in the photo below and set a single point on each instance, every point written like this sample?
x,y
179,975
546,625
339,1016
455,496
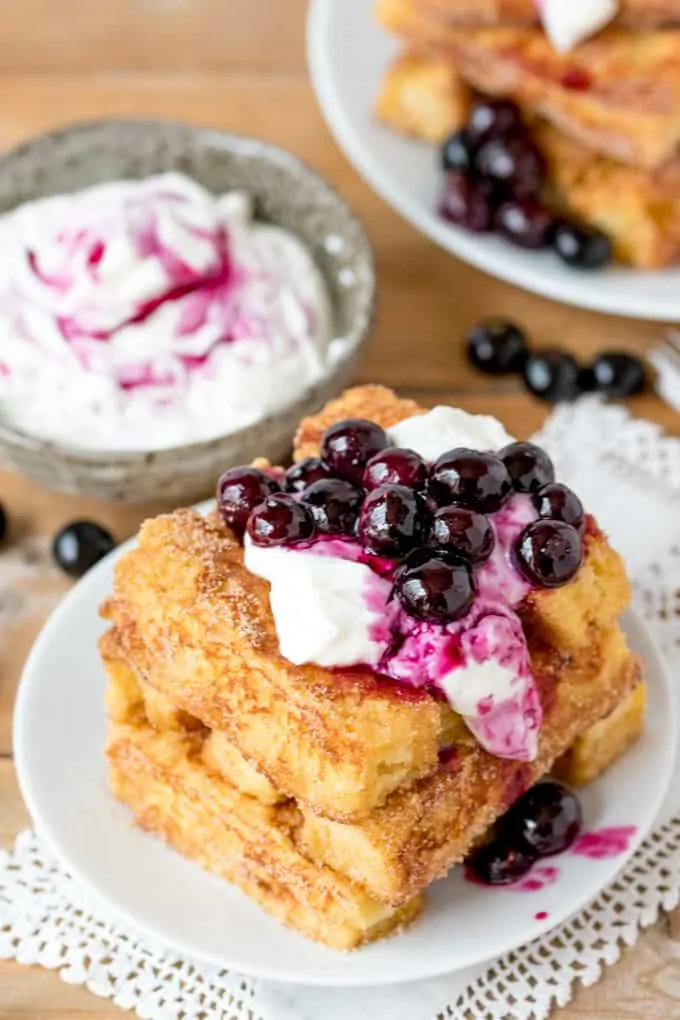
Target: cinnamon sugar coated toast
x,y
617,93
637,14
334,797
423,95
422,831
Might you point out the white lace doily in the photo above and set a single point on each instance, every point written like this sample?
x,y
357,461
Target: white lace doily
x,y
629,475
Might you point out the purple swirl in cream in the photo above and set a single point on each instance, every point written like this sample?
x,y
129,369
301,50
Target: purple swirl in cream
x,y
333,605
150,313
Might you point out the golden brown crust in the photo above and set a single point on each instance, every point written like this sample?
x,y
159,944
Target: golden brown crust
x,y
419,96
421,832
618,94
196,625
173,794
631,13
638,209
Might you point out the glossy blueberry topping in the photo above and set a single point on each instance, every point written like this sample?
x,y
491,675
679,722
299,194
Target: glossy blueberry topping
x,y
546,819
348,445
467,203
462,532
334,504
496,346
280,520
501,862
618,374
302,474
468,478
529,466
79,545
551,375
525,222
239,491
396,466
549,553
581,246
391,521
557,502
512,162
434,589
457,152
494,118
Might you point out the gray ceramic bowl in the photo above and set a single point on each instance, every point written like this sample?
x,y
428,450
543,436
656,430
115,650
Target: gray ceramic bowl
x,y
287,193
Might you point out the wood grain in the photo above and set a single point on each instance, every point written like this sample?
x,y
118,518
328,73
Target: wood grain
x,y
151,35
239,65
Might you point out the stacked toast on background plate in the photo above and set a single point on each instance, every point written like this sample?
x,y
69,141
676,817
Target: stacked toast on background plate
x,y
606,113
333,797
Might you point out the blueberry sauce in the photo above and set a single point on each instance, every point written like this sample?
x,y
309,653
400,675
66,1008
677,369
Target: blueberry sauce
x,y
449,550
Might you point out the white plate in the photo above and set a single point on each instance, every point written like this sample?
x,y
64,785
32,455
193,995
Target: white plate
x,y
59,736
348,53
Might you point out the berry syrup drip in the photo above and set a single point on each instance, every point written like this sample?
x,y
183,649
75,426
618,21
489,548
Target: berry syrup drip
x,y
451,549
543,822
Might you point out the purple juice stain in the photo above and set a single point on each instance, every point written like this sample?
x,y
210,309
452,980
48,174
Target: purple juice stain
x,y
601,844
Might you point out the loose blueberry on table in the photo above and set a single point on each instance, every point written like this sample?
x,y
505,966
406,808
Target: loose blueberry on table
x,y
544,821
497,346
495,179
79,545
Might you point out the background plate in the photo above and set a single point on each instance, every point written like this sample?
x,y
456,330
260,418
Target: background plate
x,y
348,52
59,737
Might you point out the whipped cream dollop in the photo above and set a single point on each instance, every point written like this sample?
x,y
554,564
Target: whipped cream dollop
x,y
149,313
333,606
569,22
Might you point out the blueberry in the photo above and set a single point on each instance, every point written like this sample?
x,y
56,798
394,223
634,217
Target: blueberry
x,y
478,481
348,445
462,532
500,862
556,502
458,151
549,553
302,474
280,520
239,491
3,523
391,521
551,374
334,504
466,203
496,346
512,163
434,590
525,222
395,466
79,545
581,246
494,118
618,374
529,466
546,819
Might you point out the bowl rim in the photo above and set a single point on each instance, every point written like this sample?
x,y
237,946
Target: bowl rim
x,y
16,439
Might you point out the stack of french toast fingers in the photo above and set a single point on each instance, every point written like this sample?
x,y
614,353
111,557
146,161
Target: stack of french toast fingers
x,y
606,114
333,798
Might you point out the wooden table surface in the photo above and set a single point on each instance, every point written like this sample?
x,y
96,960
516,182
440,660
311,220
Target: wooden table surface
x,y
239,65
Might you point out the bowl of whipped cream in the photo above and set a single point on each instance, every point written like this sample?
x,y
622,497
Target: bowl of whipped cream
x,y
173,299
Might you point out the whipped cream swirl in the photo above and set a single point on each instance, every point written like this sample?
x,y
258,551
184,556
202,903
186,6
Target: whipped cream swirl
x,y
569,22
144,314
333,606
